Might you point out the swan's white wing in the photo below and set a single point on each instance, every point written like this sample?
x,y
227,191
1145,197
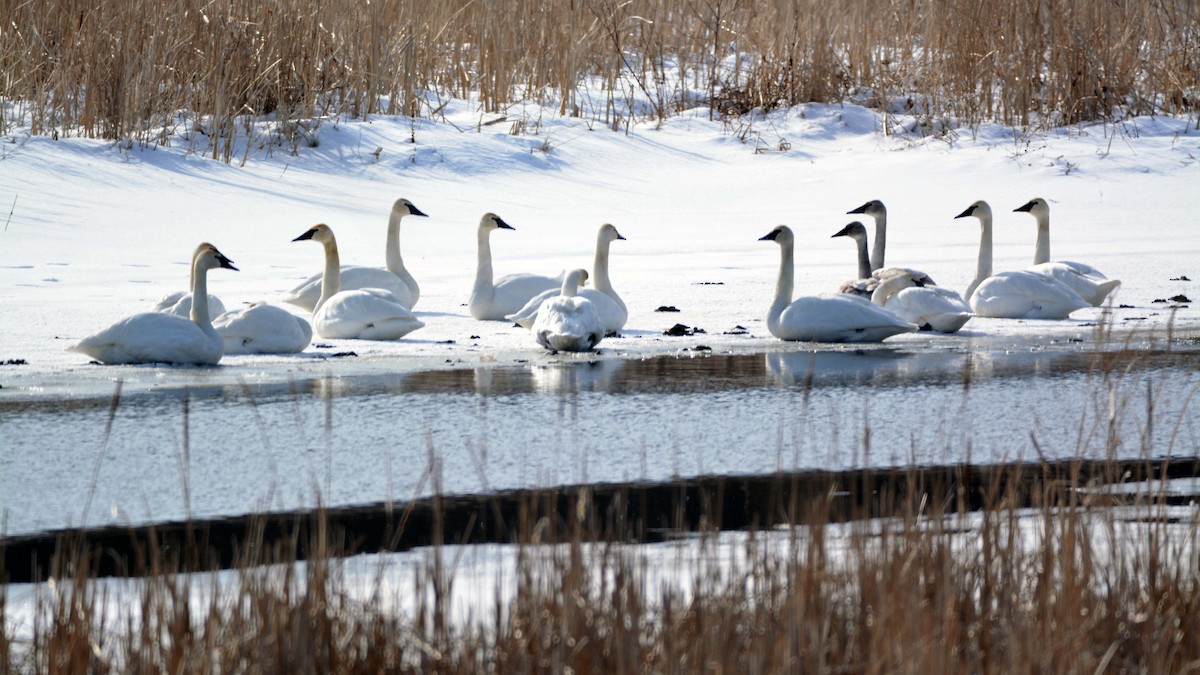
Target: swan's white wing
x,y
515,290
919,278
179,304
152,337
525,316
1093,289
931,308
568,324
307,293
1024,295
262,328
838,318
365,313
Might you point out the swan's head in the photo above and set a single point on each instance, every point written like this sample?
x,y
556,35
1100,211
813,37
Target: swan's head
x,y
578,276
491,221
321,233
979,209
210,258
609,233
1036,207
856,231
782,235
404,207
872,208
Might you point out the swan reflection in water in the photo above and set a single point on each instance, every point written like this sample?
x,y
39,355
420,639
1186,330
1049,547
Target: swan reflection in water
x,y
874,366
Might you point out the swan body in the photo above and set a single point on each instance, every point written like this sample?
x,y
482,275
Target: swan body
x,y
154,337
603,297
495,301
179,303
262,328
361,313
1084,279
395,279
1018,294
824,318
569,322
933,308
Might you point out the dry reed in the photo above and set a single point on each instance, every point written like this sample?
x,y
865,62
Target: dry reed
x,y
141,71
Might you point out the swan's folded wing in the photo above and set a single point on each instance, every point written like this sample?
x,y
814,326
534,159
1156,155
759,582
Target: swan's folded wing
x,y
525,316
148,338
263,329
308,292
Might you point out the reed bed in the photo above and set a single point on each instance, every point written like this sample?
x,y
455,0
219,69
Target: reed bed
x,y
1084,582
142,70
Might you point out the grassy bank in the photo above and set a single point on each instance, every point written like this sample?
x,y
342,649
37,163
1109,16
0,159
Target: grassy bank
x,y
130,70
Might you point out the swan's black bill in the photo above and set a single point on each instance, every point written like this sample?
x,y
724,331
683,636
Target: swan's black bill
x,y
770,236
307,235
969,212
845,231
1025,208
414,211
226,262
862,209
503,225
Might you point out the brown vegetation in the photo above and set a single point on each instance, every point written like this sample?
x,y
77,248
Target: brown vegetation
x,y
137,70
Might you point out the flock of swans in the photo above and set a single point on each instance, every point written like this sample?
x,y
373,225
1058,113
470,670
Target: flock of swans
x,y
376,303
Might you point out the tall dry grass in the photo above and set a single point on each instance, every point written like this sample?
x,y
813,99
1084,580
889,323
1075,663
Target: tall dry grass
x,y
131,70
1073,586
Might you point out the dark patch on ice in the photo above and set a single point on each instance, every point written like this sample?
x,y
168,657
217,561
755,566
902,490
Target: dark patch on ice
x,y
680,330
322,345
667,308
738,330
1181,277
473,337
445,342
15,362
338,355
710,283
1123,306
1180,298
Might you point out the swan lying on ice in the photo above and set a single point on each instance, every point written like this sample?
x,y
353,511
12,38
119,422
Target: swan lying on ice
x,y
869,280
569,322
396,279
933,308
361,313
154,337
262,328
602,295
1013,295
824,318
494,301
1085,280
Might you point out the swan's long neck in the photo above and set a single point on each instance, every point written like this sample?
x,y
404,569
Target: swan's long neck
x,y
983,268
570,286
199,312
483,273
884,291
783,287
600,279
880,243
331,278
1041,253
395,263
864,263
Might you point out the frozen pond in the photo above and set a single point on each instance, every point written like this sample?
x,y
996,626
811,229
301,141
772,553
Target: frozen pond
x,y
167,453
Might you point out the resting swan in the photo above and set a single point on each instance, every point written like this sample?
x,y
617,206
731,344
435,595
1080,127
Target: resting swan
x,y
825,318
932,308
1013,295
262,328
179,303
568,322
1085,280
396,278
495,301
878,211
867,280
153,337
602,295
361,313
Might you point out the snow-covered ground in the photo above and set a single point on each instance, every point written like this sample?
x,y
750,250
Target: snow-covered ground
x,y
93,232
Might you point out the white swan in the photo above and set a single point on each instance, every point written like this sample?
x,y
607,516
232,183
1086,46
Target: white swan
x,y
603,296
495,301
179,303
361,313
153,337
934,308
262,328
396,279
1085,280
825,318
878,211
569,322
1013,295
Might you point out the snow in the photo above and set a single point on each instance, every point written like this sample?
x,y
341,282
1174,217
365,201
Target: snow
x,y
99,231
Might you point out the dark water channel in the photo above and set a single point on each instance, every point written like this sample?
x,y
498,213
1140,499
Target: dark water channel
x,y
348,440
